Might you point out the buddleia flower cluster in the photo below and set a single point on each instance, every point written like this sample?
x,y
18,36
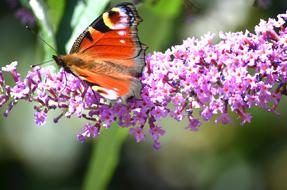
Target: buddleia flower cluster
x,y
240,71
21,12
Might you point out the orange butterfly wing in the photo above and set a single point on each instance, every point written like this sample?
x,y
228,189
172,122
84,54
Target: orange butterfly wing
x,y
112,52
108,54
108,86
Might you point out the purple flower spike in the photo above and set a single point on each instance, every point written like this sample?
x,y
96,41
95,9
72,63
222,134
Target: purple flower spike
x,y
156,132
138,134
156,145
40,117
241,71
224,119
11,68
89,131
194,124
25,16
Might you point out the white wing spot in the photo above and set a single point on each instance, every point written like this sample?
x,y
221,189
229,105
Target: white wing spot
x,y
121,33
111,94
106,93
122,41
119,26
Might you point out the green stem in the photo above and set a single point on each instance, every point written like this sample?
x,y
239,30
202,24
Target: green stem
x,y
104,159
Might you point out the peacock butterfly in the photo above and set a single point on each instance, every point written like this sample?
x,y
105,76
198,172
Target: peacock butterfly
x,y
108,54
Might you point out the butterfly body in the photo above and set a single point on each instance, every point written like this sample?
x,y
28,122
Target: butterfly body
x,y
108,54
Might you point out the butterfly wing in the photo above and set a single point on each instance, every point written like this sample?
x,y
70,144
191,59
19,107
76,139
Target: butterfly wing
x,y
112,53
110,80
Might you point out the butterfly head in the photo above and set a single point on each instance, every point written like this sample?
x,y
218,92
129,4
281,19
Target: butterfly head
x,y
65,61
59,60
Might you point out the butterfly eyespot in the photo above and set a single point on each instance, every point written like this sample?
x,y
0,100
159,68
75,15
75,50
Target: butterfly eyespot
x,y
116,10
119,26
112,13
107,20
108,55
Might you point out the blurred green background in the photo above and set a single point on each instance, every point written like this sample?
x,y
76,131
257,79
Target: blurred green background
x,y
216,157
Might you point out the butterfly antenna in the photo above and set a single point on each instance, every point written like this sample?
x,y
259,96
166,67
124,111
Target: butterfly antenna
x,y
42,63
40,37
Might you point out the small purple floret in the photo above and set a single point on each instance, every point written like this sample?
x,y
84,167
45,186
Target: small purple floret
x,y
40,117
241,71
138,134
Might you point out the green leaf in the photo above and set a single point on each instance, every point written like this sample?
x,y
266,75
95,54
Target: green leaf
x,y
24,3
55,11
105,156
85,13
40,11
159,23
65,29
155,38
166,8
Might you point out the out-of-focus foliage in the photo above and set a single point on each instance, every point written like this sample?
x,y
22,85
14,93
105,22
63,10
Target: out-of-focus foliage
x,y
56,10
106,156
215,157
46,31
